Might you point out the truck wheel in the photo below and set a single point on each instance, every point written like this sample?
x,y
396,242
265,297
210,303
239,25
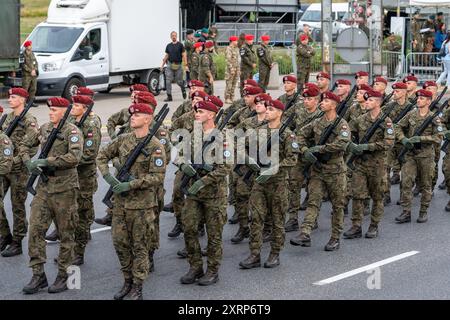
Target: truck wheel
x,y
72,87
153,83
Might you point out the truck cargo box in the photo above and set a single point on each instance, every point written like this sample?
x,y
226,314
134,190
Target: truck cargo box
x,y
9,32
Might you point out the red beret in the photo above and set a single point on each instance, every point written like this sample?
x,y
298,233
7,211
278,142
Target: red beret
x,y
410,78
399,85
303,37
215,100
290,78
249,37
209,44
323,75
196,83
233,38
145,98
277,104
206,106
86,100
424,93
58,102
250,82
27,43
364,87
199,94
344,82
310,85
262,97
265,37
83,91
198,44
138,87
18,92
311,92
140,108
330,95
372,93
361,74
429,84
381,79
252,91
1,109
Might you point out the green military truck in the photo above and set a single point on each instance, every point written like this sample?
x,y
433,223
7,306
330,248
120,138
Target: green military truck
x,y
9,44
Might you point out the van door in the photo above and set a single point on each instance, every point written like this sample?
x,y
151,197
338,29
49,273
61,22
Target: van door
x,y
96,70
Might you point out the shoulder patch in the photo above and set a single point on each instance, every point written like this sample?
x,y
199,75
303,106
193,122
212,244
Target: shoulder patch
x,y
90,134
7,152
159,162
440,129
89,143
158,151
294,145
390,131
73,131
242,52
163,133
227,153
344,134
74,139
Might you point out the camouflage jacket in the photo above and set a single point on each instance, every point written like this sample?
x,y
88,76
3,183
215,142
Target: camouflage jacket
x,y
265,56
295,108
189,47
304,117
207,67
248,57
183,108
121,118
232,58
29,64
194,65
6,155
397,109
304,55
356,110
239,116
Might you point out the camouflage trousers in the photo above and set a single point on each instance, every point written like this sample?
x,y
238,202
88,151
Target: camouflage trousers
x,y
242,201
132,230
245,74
318,185
86,213
62,208
29,83
368,180
17,183
177,195
392,164
214,212
446,171
264,76
296,180
268,199
154,241
423,169
302,78
231,79
232,181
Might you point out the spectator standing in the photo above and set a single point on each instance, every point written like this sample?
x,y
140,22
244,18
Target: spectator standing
x,y
439,38
175,58
416,35
446,61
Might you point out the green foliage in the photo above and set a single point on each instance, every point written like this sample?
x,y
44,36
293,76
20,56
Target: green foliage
x,y
219,60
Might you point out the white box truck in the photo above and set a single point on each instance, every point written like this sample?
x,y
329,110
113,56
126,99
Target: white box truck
x,y
102,44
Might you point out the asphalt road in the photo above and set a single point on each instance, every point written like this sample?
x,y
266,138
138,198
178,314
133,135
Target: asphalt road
x,y
418,268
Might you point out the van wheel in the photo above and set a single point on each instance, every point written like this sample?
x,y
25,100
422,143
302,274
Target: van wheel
x,y
72,87
153,83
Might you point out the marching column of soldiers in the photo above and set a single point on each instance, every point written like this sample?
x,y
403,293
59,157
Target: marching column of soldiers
x,y
348,138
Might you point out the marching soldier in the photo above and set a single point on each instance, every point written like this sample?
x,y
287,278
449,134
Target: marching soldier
x,y
290,89
248,60
243,113
16,179
265,62
240,103
304,56
186,106
135,201
6,162
358,107
380,85
330,176
30,70
207,71
368,175
55,199
232,69
194,66
323,81
411,83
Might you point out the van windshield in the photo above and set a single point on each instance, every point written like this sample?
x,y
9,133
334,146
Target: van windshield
x,y
311,15
49,39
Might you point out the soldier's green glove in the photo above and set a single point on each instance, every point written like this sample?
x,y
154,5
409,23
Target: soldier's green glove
x,y
351,147
121,187
266,174
188,170
196,187
447,135
414,139
113,135
408,144
315,149
359,149
34,166
309,157
208,167
111,180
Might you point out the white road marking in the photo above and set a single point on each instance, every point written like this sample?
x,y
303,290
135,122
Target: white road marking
x,y
365,268
100,230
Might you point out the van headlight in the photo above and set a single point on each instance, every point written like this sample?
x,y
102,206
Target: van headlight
x,y
52,66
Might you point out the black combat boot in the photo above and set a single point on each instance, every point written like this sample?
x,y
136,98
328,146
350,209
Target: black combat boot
x,y
105,221
168,207
52,237
234,219
447,207
423,217
372,232
332,245
135,293
443,185
182,253
395,179
177,229
169,98
14,249
209,278
5,241
253,261
291,225
353,233
60,284
302,239
201,230
151,261
79,260
387,199
38,281
404,217
192,275
241,235
272,261
126,288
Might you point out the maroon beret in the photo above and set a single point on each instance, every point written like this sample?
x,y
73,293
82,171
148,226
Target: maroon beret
x,y
381,79
206,106
196,83
145,97
364,87
250,82
310,85
399,85
58,102
424,93
83,91
344,82
330,95
277,104
429,84
322,74
18,92
215,100
86,100
1,109
410,78
138,87
312,92
361,74
372,93
262,97
199,94
140,108
252,91
290,78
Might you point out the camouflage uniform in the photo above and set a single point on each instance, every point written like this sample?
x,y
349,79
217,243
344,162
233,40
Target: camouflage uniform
x,y
271,199
231,71
194,66
446,159
239,116
57,199
135,211
354,112
207,70
265,64
189,47
330,178
415,30
418,162
248,58
183,108
6,163
368,176
304,55
29,82
295,108
17,178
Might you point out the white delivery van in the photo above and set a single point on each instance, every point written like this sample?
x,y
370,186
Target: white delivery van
x,y
102,44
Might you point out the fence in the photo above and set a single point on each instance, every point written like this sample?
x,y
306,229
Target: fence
x,y
424,65
392,65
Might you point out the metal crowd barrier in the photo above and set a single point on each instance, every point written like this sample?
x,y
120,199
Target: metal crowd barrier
x,y
392,64
424,65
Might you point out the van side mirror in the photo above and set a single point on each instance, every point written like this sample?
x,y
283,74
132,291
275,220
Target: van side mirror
x,y
87,53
